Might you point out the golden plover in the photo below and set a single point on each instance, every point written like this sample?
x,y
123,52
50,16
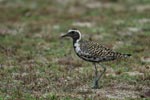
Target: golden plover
x,y
93,52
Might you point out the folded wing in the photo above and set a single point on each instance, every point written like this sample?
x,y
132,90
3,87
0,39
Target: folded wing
x,y
94,51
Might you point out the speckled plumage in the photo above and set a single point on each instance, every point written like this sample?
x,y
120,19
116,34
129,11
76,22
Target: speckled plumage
x,y
93,52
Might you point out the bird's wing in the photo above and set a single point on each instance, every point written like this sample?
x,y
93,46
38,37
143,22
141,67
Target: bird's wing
x,y
94,49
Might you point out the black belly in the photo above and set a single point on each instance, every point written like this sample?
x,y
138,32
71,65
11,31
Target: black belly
x,y
96,59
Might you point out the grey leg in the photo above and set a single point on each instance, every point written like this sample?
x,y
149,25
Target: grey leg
x,y
95,69
97,77
104,70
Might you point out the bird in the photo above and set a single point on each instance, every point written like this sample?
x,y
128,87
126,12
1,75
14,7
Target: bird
x,y
93,52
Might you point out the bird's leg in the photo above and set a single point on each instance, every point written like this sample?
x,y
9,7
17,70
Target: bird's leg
x,y
96,72
95,78
104,70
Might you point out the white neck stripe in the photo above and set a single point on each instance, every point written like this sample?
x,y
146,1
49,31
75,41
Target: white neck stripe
x,y
79,36
77,32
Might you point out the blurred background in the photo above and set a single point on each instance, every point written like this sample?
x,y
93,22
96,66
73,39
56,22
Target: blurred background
x,y
35,63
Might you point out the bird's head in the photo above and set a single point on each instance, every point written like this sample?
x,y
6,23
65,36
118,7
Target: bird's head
x,y
73,33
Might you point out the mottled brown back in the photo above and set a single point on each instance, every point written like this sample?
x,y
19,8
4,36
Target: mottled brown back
x,y
94,50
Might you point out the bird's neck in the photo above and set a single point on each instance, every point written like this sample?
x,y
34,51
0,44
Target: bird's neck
x,y
76,40
76,45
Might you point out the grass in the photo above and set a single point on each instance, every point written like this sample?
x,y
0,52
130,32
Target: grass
x,y
35,63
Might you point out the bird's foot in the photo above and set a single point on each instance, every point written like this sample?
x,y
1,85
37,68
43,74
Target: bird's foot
x,y
95,85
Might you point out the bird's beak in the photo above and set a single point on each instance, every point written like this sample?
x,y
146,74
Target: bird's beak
x,y
64,35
